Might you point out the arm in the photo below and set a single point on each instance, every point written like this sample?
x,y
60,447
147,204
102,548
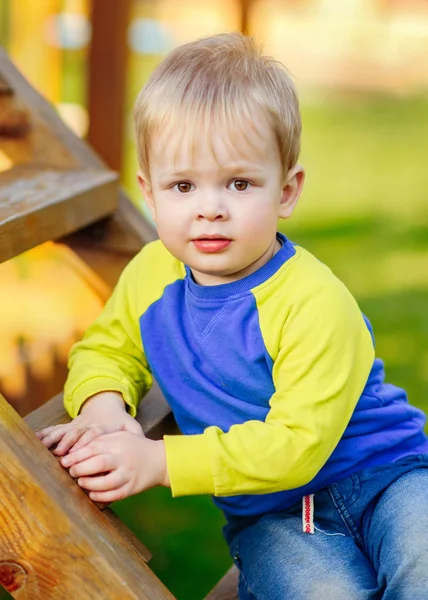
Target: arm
x,y
117,465
110,357
108,372
324,356
103,413
319,374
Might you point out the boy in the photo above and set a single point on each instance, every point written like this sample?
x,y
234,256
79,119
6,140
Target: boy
x,y
262,354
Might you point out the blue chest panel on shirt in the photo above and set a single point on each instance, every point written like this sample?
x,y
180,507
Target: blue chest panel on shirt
x,y
206,350
208,357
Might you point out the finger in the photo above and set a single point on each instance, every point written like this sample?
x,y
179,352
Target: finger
x,y
133,427
73,458
49,438
69,439
110,496
47,430
92,466
87,437
43,432
103,483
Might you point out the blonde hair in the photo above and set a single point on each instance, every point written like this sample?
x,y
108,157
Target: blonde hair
x,y
222,80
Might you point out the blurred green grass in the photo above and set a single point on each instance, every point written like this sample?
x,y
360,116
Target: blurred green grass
x,y
364,212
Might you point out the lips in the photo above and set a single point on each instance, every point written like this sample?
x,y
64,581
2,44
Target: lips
x,y
211,243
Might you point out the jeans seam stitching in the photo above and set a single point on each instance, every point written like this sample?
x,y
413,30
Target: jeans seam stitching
x,y
344,514
238,563
356,490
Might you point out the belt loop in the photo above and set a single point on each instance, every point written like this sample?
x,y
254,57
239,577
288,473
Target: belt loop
x,y
308,513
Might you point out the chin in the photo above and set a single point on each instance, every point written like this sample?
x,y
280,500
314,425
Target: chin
x,y
215,270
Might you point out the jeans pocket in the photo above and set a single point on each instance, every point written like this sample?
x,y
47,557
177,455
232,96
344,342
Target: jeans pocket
x,y
348,489
423,458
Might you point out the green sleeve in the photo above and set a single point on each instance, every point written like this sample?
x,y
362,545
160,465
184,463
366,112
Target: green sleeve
x,y
110,357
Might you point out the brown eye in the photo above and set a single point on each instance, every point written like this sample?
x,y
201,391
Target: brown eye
x,y
240,185
184,187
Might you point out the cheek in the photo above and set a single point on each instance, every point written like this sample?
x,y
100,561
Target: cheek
x,y
259,224
170,222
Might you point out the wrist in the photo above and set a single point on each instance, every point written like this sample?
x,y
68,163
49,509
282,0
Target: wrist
x,y
103,401
164,476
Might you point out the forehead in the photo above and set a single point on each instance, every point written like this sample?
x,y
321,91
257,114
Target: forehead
x,y
193,144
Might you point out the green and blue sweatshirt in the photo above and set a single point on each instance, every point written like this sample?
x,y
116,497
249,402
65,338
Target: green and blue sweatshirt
x,y
272,379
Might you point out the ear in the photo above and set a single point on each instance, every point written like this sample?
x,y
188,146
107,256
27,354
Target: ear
x,y
291,191
146,189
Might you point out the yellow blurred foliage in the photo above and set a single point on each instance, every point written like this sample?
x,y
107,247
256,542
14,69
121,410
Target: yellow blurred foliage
x,y
46,306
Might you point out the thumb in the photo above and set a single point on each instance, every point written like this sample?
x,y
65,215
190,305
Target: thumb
x,y
133,427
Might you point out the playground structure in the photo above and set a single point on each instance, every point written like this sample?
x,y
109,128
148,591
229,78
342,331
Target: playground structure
x,y
55,543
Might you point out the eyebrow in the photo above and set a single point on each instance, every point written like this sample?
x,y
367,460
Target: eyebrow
x,y
232,169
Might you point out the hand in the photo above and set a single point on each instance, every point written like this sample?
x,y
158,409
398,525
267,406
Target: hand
x,y
117,465
102,413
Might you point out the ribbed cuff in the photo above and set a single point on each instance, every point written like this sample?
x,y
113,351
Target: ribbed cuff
x,y
188,463
94,386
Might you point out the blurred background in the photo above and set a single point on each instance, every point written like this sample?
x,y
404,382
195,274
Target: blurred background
x,y
361,68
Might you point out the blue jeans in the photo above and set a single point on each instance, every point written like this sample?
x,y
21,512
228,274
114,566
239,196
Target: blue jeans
x,y
370,541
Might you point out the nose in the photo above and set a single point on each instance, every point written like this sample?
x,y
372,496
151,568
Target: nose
x,y
212,207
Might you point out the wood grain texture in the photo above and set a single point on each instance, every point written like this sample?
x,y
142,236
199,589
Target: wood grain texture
x,y
76,151
29,216
107,78
126,231
227,587
154,416
108,245
14,119
128,535
54,542
5,89
51,182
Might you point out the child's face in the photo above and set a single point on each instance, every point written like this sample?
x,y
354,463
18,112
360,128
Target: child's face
x,y
216,200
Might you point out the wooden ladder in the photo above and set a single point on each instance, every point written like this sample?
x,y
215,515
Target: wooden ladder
x,y
55,543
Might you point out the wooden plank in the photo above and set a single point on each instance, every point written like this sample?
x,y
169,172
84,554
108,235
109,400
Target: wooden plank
x,y
54,542
107,78
131,226
108,245
5,89
100,285
32,212
153,414
126,231
128,535
245,6
50,413
227,587
42,111
156,419
106,265
51,182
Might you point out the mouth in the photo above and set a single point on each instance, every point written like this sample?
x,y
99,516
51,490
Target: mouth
x,y
211,243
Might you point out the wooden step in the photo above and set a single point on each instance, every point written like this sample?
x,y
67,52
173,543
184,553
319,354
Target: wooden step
x,y
156,418
227,587
37,205
51,182
54,542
